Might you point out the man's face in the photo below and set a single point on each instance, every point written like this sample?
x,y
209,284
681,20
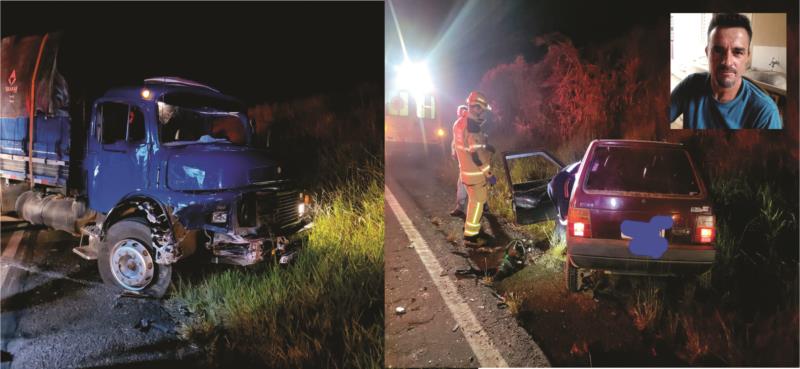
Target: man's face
x,y
728,54
476,111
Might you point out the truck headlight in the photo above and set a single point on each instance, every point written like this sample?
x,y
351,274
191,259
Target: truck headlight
x,y
301,209
219,217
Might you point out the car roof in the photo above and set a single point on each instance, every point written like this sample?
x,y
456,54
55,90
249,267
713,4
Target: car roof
x,y
636,143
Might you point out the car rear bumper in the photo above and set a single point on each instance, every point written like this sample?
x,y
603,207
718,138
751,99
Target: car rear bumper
x,y
614,256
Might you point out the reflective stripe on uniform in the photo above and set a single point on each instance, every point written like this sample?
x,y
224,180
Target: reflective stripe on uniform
x,y
472,228
472,173
476,218
473,224
470,233
486,168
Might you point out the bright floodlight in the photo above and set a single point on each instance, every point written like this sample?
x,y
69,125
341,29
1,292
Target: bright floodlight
x,y
414,78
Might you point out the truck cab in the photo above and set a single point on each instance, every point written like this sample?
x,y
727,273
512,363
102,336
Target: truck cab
x,y
169,169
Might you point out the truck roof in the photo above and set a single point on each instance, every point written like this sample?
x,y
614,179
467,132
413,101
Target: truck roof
x,y
159,86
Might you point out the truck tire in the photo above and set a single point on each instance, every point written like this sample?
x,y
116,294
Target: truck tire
x,y
572,275
127,260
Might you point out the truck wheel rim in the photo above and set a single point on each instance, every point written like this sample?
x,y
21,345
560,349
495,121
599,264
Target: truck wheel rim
x,y
131,264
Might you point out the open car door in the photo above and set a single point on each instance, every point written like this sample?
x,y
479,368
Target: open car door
x,y
528,175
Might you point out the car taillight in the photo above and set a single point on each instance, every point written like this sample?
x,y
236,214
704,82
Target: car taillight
x,y
580,224
704,231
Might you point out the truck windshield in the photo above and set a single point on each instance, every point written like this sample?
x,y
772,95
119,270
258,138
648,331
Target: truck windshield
x,y
651,170
187,118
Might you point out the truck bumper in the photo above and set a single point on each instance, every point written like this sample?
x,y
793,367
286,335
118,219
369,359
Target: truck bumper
x,y
614,256
229,248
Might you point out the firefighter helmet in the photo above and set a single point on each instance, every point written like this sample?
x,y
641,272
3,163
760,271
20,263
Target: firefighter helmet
x,y
477,98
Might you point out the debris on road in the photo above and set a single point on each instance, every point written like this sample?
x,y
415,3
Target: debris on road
x,y
144,325
287,258
184,310
133,294
497,295
455,328
400,310
466,272
513,260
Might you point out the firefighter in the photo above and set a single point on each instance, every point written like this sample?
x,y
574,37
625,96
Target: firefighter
x,y
474,162
461,190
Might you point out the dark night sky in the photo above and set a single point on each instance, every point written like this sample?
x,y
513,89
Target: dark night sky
x,y
255,51
461,40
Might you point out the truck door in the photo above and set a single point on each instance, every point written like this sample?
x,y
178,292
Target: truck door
x,y
117,154
528,175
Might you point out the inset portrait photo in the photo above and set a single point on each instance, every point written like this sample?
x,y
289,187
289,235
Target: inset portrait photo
x,y
727,70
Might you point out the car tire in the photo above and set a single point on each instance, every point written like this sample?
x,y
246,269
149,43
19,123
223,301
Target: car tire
x,y
126,260
572,275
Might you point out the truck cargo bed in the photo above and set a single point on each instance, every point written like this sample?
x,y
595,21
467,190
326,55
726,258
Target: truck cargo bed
x,y
51,147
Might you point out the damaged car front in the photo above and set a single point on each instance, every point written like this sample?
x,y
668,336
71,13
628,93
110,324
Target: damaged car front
x,y
224,194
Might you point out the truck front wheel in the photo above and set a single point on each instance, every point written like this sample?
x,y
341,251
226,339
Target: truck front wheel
x,y
127,260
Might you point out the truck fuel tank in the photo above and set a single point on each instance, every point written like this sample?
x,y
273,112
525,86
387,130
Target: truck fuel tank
x,y
55,211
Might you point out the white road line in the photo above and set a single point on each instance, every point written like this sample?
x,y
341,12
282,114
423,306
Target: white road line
x,y
13,243
33,269
476,336
9,252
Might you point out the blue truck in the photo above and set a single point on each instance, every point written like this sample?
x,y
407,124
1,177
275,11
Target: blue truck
x,y
158,172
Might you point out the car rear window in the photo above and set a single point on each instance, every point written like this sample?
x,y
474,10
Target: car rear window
x,y
651,170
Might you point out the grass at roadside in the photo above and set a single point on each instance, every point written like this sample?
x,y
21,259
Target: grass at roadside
x,y
325,310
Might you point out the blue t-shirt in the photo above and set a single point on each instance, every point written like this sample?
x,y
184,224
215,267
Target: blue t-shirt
x,y
751,108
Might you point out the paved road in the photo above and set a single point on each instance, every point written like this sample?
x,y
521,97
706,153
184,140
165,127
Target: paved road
x,y
56,313
448,321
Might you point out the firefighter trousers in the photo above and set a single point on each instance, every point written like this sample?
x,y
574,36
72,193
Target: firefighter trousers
x,y
477,195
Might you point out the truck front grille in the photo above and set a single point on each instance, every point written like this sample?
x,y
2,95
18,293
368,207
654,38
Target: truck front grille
x,y
274,209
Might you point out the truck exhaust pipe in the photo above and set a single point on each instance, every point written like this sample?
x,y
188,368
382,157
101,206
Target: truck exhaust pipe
x,y
55,211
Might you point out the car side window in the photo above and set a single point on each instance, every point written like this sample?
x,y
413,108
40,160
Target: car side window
x,y
120,122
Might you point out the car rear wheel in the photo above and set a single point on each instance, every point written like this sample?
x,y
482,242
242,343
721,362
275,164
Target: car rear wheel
x,y
572,275
127,260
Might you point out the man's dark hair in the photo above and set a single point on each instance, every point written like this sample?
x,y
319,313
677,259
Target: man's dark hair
x,y
727,20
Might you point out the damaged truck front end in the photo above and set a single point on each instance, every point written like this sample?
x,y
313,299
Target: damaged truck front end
x,y
244,227
190,183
